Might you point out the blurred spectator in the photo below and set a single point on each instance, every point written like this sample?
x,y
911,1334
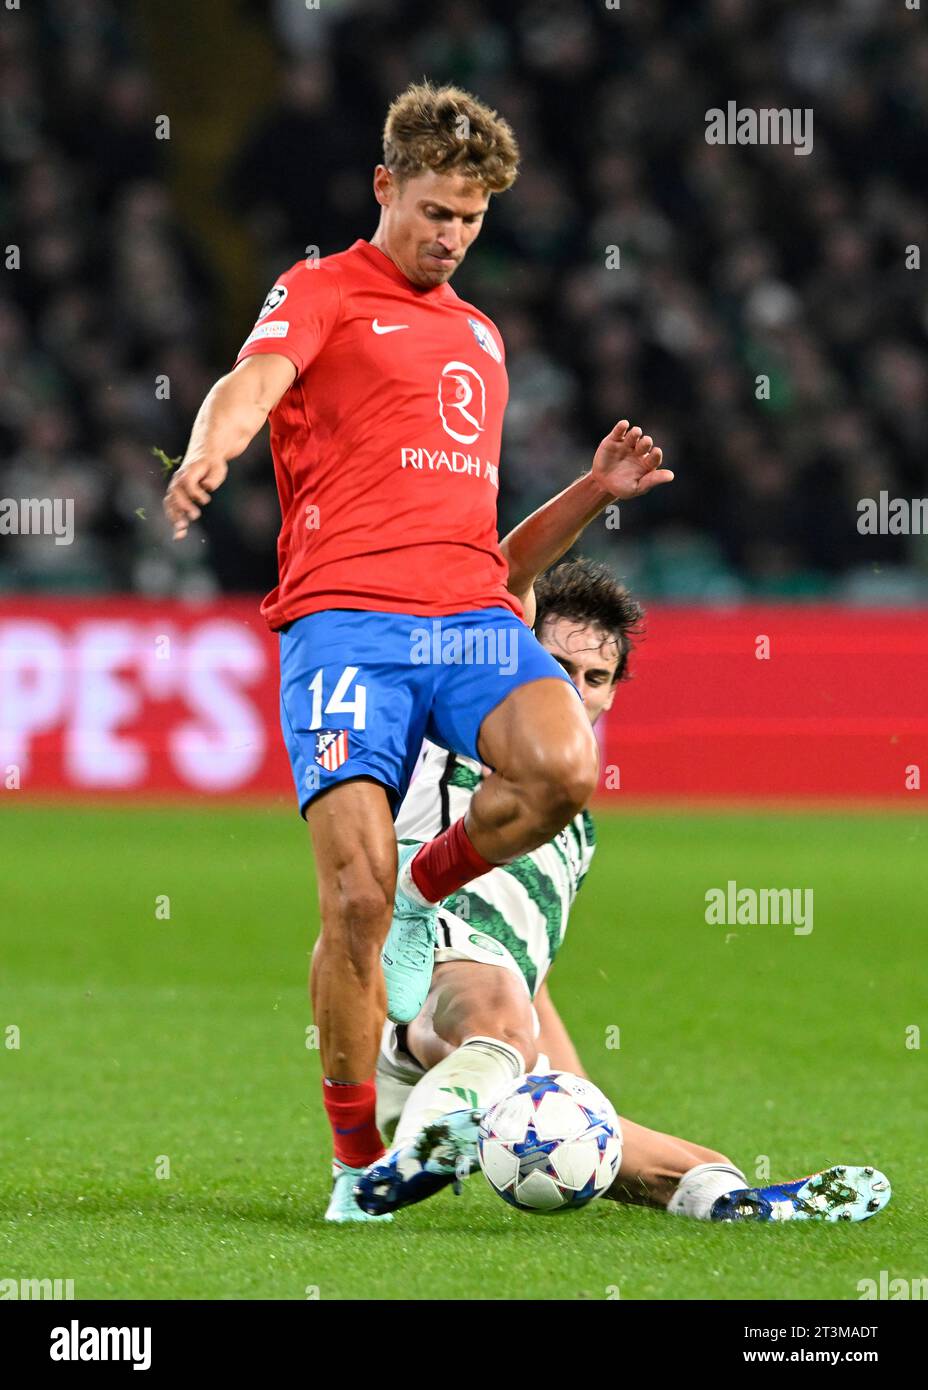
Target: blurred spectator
x,y
753,309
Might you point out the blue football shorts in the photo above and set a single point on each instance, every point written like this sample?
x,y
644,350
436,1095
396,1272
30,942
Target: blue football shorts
x,y
359,691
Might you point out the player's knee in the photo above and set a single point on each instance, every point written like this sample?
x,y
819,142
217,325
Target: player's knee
x,y
496,1011
526,1045
566,774
578,775
355,919
363,909
516,1032
515,1035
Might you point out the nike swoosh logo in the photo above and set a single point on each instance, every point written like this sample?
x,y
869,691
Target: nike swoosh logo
x,y
388,328
353,1130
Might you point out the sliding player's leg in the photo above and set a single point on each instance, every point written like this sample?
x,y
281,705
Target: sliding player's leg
x,y
689,1180
653,1165
657,1169
524,719
474,1037
355,852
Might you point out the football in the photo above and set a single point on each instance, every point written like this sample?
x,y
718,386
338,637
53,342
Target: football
x,y
555,1142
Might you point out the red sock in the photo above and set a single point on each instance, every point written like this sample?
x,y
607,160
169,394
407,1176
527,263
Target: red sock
x,y
447,863
351,1107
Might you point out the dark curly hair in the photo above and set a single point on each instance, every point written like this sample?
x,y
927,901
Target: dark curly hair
x,y
590,594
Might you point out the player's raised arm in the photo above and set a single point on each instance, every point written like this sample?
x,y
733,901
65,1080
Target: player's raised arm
x,y
627,464
227,421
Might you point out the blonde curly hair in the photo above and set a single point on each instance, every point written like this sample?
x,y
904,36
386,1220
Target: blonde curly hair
x,y
449,131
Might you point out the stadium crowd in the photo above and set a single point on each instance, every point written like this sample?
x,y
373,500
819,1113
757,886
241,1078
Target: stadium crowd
x,y
634,269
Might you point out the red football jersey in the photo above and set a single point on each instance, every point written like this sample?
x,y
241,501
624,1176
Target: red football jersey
x,y
386,447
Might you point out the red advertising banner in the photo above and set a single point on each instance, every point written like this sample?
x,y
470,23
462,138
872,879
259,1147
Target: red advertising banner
x,y
140,696
774,702
147,697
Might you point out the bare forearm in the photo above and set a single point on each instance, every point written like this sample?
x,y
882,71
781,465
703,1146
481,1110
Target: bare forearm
x,y
625,465
228,420
226,423
542,538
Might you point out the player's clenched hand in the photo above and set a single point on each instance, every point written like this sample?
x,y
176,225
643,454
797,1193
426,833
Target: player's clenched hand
x,y
190,489
627,463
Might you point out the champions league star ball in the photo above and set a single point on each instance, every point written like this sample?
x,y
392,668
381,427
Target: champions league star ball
x,y
554,1142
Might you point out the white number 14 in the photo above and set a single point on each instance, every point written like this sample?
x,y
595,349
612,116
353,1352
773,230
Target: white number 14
x,y
337,703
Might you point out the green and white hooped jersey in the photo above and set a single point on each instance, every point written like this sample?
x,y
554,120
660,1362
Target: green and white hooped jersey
x,y
522,906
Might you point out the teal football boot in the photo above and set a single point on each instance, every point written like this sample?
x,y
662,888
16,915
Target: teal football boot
x,y
342,1206
408,955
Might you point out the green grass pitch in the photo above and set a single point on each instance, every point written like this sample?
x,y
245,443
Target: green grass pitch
x,y
143,1040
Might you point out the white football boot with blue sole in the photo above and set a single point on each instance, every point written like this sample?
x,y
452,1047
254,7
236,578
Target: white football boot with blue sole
x,y
442,1154
408,955
342,1206
841,1193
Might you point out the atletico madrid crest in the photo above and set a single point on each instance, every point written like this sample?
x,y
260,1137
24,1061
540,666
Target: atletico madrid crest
x,y
331,748
485,339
